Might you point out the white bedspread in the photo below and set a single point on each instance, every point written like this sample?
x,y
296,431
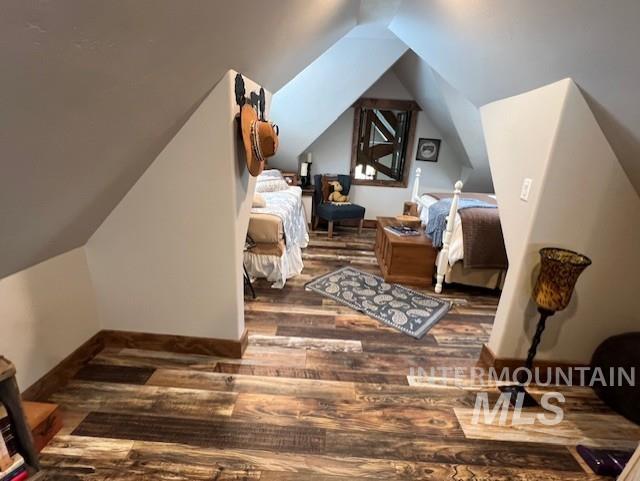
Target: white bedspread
x,y
286,204
456,247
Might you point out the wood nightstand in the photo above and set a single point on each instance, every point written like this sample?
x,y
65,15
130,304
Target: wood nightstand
x,y
404,260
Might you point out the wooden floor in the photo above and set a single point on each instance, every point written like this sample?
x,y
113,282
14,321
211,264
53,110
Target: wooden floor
x,y
322,394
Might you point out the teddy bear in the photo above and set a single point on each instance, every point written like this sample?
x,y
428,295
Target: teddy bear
x,y
336,195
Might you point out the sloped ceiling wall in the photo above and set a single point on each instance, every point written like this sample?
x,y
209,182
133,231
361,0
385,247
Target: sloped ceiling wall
x,y
492,50
421,81
306,106
91,92
456,117
467,121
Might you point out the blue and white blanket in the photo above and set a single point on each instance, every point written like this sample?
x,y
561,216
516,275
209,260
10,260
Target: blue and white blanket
x,y
287,204
439,211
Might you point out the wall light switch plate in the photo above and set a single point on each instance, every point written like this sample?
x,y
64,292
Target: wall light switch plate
x,y
526,188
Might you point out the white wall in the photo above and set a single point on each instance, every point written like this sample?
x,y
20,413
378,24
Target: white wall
x,y
581,199
46,312
331,154
315,98
168,259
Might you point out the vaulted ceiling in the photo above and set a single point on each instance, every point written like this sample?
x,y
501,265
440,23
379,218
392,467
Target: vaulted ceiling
x,y
306,106
488,50
92,90
457,119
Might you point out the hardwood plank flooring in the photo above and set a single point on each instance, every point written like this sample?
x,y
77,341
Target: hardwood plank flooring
x,y
119,374
203,432
241,383
323,393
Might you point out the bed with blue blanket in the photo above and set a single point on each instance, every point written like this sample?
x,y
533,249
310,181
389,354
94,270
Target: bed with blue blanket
x,y
476,255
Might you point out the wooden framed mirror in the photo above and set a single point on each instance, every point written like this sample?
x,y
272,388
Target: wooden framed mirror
x,y
383,133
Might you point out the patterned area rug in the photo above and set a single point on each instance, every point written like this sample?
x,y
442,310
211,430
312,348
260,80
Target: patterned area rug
x,y
396,306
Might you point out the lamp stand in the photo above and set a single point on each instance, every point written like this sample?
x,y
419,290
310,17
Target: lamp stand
x,y
307,179
519,389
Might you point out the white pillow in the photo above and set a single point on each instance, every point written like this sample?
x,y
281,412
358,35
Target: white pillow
x,y
269,175
258,201
271,185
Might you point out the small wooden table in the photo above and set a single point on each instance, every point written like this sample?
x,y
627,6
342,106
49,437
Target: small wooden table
x,y
404,260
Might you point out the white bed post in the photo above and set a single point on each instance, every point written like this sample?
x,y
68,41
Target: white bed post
x,y
416,187
443,259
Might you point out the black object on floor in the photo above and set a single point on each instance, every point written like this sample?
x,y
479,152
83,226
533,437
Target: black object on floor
x,y
620,352
518,390
604,462
247,280
518,396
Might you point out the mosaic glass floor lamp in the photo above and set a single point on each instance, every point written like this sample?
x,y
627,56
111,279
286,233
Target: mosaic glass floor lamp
x,y
559,271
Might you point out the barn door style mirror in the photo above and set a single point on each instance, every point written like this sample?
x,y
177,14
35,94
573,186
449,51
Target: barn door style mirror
x,y
383,132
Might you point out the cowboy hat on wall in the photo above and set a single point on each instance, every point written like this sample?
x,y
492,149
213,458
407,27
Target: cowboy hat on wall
x,y
260,139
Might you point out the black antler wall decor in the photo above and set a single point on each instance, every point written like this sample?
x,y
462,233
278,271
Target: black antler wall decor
x,y
254,99
240,91
257,100
262,104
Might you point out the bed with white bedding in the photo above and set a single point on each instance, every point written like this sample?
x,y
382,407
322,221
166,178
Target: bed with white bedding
x,y
278,231
452,265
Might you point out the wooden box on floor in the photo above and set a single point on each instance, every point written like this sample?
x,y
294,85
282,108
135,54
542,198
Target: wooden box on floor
x,y
44,421
404,260
10,397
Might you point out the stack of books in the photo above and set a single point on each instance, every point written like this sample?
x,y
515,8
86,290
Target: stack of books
x,y
402,231
12,465
16,471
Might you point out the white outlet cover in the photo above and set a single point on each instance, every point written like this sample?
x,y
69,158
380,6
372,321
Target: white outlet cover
x,y
526,188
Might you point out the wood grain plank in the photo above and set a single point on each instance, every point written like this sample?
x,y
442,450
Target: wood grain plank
x,y
310,343
299,373
450,451
91,447
107,397
274,319
115,374
240,383
349,415
301,464
597,430
214,432
391,337
108,459
382,362
313,467
254,355
155,359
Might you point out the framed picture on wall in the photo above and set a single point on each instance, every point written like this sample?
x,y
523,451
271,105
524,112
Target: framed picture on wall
x,y
428,150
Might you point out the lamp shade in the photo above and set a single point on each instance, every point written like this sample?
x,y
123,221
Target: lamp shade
x,y
559,272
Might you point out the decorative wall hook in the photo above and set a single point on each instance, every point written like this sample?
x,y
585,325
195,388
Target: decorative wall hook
x,y
256,99
240,91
